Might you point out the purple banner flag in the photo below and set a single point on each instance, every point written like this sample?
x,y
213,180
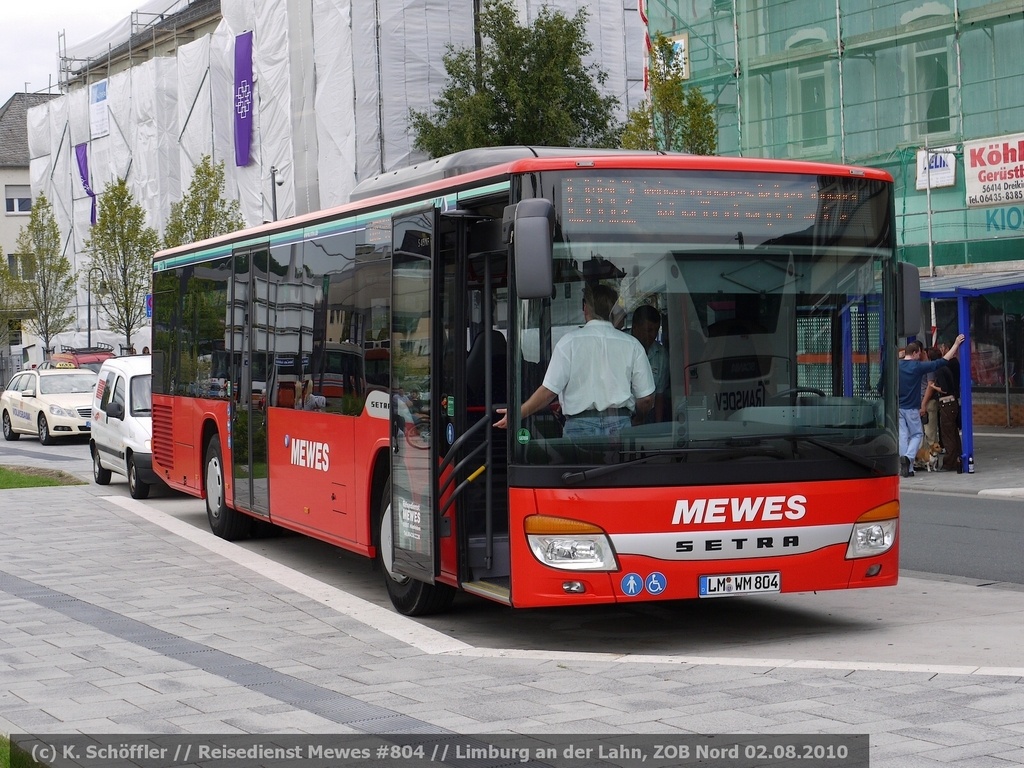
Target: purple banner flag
x,y
243,97
82,155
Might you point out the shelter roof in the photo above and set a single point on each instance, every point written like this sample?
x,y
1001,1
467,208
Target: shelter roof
x,y
970,284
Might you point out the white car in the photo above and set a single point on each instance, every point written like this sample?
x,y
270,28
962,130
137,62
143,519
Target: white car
x,y
122,429
50,403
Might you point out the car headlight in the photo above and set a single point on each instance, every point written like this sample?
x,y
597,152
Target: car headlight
x,y
571,545
56,410
875,531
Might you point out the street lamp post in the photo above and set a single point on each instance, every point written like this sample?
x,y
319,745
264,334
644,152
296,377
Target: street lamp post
x,y
88,305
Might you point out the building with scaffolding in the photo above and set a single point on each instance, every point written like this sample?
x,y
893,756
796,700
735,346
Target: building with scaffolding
x,y
929,90
326,97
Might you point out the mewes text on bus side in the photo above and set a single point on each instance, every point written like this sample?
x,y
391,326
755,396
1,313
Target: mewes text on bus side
x,y
342,374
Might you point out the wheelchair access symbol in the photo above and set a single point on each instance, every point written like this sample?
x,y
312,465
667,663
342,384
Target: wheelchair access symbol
x,y
632,584
656,583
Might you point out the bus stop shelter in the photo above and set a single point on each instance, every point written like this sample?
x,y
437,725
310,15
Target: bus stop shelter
x,y
961,287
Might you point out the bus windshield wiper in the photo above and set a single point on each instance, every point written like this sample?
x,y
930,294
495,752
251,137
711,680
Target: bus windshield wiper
x,y
858,459
575,478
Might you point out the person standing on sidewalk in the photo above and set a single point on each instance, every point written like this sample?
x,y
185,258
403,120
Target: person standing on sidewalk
x,y
946,389
912,369
930,401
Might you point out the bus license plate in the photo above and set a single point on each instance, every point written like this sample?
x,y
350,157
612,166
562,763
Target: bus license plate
x,y
730,584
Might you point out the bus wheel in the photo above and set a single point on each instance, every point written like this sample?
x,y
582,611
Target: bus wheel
x,y
409,596
99,473
225,522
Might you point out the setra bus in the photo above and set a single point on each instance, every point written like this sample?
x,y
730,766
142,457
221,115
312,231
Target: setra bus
x,y
772,466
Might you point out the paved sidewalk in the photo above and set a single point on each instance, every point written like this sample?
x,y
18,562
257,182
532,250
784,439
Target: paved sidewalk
x,y
112,622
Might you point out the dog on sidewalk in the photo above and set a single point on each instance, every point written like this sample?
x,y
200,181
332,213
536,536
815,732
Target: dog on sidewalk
x,y
928,457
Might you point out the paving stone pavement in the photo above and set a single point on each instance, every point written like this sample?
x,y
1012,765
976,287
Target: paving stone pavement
x,y
110,623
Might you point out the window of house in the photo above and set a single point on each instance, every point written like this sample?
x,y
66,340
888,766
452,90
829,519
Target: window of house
x,y
20,268
931,86
19,198
809,96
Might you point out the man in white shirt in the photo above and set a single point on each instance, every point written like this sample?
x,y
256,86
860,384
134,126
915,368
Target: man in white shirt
x,y
600,375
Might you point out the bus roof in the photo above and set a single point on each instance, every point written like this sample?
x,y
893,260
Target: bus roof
x,y
472,166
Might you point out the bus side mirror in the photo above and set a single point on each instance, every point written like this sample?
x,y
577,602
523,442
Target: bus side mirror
x,y
529,226
908,300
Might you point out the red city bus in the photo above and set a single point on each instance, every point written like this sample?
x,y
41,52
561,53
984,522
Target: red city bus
x,y
773,466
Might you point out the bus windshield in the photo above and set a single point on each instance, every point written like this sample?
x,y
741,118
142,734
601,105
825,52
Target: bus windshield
x,y
758,299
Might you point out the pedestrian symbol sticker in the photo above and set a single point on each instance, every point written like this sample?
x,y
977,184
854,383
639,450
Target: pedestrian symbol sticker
x,y
632,584
656,583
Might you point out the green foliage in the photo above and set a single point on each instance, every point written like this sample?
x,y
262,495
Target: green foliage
x,y
8,302
46,288
203,212
526,85
122,248
677,118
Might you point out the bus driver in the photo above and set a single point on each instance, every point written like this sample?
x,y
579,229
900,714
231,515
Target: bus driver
x,y
600,375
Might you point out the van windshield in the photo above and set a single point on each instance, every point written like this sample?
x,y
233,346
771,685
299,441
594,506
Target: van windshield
x,y
142,395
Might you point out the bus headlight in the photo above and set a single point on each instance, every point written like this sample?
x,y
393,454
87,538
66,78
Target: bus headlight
x,y
571,545
874,532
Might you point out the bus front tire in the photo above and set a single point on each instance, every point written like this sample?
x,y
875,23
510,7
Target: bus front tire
x,y
410,597
225,522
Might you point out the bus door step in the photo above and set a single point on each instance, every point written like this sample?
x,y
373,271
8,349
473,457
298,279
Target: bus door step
x,y
478,556
498,590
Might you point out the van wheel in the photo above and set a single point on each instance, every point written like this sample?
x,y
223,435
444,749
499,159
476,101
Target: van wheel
x,y
99,474
9,434
409,596
225,522
138,489
44,431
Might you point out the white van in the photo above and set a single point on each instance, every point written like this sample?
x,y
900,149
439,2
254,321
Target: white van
x,y
122,424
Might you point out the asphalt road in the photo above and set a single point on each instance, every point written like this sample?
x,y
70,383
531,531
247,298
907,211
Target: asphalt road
x,y
972,537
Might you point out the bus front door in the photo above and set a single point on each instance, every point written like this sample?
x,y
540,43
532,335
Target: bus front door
x,y
414,529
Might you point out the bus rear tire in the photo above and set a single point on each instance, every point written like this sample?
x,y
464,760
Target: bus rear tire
x,y
227,523
410,597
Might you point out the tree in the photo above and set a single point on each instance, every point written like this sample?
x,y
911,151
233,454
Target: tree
x,y
122,248
523,86
676,118
8,307
46,286
203,212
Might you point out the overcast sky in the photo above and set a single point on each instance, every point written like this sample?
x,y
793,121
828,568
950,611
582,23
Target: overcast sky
x,y
28,36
